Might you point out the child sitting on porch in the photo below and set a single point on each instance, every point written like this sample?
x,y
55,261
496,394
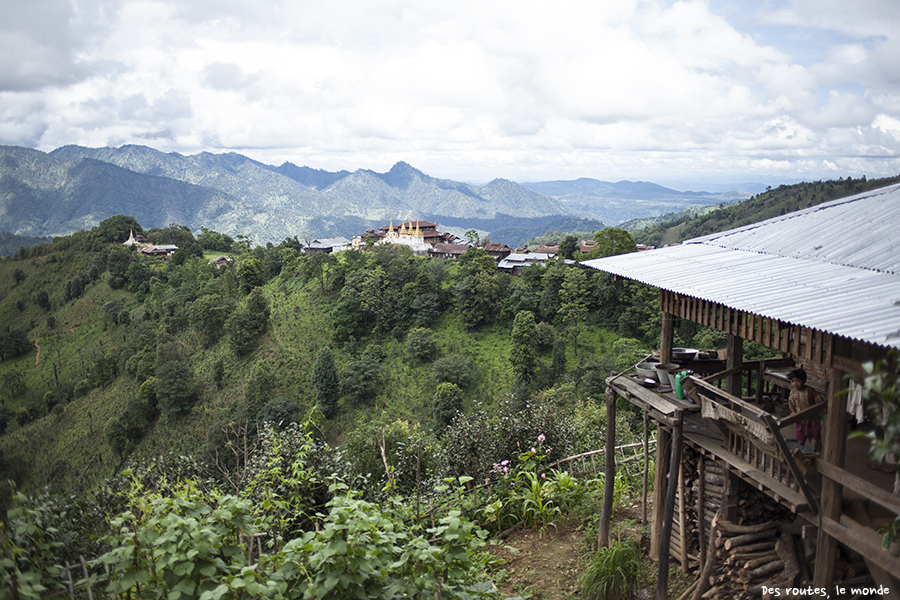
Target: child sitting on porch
x,y
802,397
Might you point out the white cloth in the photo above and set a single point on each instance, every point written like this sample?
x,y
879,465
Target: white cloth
x,y
855,401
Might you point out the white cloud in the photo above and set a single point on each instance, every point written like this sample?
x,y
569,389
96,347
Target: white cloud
x,y
642,88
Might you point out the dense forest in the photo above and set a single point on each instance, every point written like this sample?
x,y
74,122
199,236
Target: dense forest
x,y
310,404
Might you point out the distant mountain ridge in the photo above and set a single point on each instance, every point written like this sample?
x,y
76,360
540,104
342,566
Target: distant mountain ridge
x,y
75,187
622,201
290,200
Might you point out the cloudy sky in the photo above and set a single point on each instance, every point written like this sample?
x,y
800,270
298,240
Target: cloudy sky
x,y
718,90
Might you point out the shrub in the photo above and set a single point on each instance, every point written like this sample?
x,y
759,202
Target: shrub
x,y
613,573
455,368
420,345
447,403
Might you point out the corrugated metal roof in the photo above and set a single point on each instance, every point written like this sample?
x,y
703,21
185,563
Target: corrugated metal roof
x,y
834,267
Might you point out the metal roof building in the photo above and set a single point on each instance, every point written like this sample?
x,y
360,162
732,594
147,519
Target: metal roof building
x,y
834,267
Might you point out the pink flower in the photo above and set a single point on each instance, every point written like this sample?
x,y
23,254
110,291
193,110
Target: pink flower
x,y
543,476
533,451
548,450
541,438
503,463
506,469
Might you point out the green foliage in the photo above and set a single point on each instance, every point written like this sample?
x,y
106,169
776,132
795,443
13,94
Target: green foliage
x,y
421,345
361,380
523,355
279,410
613,573
455,368
176,391
612,241
881,388
325,383
447,403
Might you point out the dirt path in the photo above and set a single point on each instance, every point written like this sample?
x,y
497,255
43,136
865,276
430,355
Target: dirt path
x,y
544,567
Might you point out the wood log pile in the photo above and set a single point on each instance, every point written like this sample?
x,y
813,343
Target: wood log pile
x,y
749,557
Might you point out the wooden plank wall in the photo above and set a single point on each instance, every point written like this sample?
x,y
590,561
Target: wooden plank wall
x,y
810,347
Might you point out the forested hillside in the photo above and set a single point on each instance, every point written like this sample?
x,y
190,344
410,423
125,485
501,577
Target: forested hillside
x,y
772,203
390,372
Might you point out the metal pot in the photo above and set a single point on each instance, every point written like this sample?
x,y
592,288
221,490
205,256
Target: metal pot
x,y
684,353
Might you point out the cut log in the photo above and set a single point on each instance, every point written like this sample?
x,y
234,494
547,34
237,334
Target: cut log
x,y
784,547
757,547
746,538
762,560
761,571
727,527
711,592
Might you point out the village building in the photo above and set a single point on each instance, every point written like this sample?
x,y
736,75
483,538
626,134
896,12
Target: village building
x,y
586,246
497,250
222,261
420,236
327,245
161,252
821,286
515,262
134,240
550,248
451,251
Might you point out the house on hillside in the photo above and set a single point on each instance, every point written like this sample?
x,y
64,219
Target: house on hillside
x,y
586,246
327,245
497,250
821,287
222,261
134,240
161,252
452,251
515,262
550,248
420,236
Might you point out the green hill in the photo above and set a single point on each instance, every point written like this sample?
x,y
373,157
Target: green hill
x,y
772,203
109,355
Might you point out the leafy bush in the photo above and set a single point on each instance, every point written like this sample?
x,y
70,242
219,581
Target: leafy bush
x,y
455,368
421,345
361,379
447,403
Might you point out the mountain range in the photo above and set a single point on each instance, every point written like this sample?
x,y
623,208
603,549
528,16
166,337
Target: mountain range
x,y
75,187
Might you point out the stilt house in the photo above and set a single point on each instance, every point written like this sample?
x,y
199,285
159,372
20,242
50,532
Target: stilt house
x,y
822,286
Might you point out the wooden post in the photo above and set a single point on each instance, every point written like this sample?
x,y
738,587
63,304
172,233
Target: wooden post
x,y
663,438
834,450
667,337
735,359
730,495
701,512
610,482
662,579
646,465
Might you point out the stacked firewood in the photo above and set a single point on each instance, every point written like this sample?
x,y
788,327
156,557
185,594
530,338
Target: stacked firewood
x,y
750,557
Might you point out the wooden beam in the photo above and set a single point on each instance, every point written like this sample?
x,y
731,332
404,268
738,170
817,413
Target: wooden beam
x,y
735,358
646,442
792,465
859,485
662,579
834,451
663,438
609,484
667,337
865,541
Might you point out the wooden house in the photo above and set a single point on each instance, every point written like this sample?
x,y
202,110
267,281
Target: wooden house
x,y
451,251
822,287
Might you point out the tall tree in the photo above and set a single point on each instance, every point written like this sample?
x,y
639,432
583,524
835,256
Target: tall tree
x,y
573,307
447,402
325,382
523,355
